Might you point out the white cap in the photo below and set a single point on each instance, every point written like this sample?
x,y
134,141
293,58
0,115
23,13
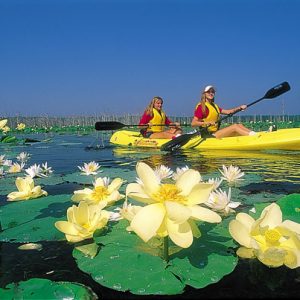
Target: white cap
x,y
207,88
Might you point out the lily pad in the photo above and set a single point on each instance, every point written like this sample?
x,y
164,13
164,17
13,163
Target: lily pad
x,y
38,288
204,263
33,220
290,207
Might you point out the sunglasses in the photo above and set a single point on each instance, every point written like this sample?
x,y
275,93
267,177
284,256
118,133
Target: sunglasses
x,y
211,92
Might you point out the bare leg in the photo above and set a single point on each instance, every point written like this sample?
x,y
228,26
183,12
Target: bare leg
x,y
168,134
232,130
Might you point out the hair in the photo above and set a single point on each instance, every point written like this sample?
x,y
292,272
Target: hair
x,y
149,108
202,102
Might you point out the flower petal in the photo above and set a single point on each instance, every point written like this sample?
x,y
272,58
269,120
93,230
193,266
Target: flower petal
x,y
187,180
205,214
148,177
177,212
180,234
240,233
200,193
148,220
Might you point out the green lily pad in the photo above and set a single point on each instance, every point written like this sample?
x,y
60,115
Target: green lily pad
x,y
51,180
290,207
37,288
33,220
204,263
81,179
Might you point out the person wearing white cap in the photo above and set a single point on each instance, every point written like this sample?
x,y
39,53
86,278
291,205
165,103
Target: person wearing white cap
x,y
207,114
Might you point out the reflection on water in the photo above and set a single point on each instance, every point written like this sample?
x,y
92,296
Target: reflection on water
x,y
65,152
271,165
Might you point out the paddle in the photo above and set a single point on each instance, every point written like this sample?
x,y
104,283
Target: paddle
x,y
114,125
180,141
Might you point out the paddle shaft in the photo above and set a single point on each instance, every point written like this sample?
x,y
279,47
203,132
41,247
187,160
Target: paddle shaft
x,y
114,125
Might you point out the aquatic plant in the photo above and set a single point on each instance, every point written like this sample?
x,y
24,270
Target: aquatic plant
x,y
26,190
232,174
273,241
91,168
220,201
172,208
104,191
83,221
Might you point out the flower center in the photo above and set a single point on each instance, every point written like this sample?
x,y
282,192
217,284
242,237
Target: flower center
x,y
272,236
100,193
169,192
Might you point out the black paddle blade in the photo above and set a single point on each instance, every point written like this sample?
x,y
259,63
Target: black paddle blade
x,y
178,142
109,125
277,90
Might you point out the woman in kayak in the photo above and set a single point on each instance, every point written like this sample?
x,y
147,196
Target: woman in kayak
x,y
154,120
207,113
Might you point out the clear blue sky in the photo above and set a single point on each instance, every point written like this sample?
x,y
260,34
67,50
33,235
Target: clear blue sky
x,y
89,57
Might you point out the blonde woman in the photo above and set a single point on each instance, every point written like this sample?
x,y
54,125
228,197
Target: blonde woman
x,y
154,120
207,114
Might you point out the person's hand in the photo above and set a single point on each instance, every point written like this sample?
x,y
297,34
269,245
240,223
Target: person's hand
x,y
210,123
243,107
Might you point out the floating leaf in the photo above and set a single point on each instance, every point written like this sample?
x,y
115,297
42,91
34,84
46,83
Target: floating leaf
x,y
37,288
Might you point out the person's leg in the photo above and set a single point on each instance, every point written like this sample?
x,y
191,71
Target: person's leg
x,y
232,130
162,135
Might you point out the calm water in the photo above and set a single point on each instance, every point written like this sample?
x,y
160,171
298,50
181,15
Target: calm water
x,y
278,173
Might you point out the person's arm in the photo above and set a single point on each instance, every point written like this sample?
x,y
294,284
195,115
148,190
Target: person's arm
x,y
233,110
145,120
172,124
196,122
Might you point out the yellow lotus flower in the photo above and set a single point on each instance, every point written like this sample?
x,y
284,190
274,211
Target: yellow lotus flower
x,y
26,190
21,126
83,221
16,168
103,191
273,242
172,208
2,123
5,129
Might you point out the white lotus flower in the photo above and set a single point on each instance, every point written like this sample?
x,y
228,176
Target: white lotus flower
x,y
179,171
35,171
2,159
163,172
7,162
232,174
23,157
220,201
16,168
216,182
46,170
91,168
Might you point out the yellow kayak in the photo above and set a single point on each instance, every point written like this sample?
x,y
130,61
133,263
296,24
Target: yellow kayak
x,y
282,139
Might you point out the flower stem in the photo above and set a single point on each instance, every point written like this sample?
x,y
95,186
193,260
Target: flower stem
x,y
166,249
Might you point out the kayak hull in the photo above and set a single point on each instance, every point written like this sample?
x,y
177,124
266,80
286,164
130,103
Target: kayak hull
x,y
282,139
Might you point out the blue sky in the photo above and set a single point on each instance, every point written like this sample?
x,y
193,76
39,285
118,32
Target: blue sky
x,y
88,57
